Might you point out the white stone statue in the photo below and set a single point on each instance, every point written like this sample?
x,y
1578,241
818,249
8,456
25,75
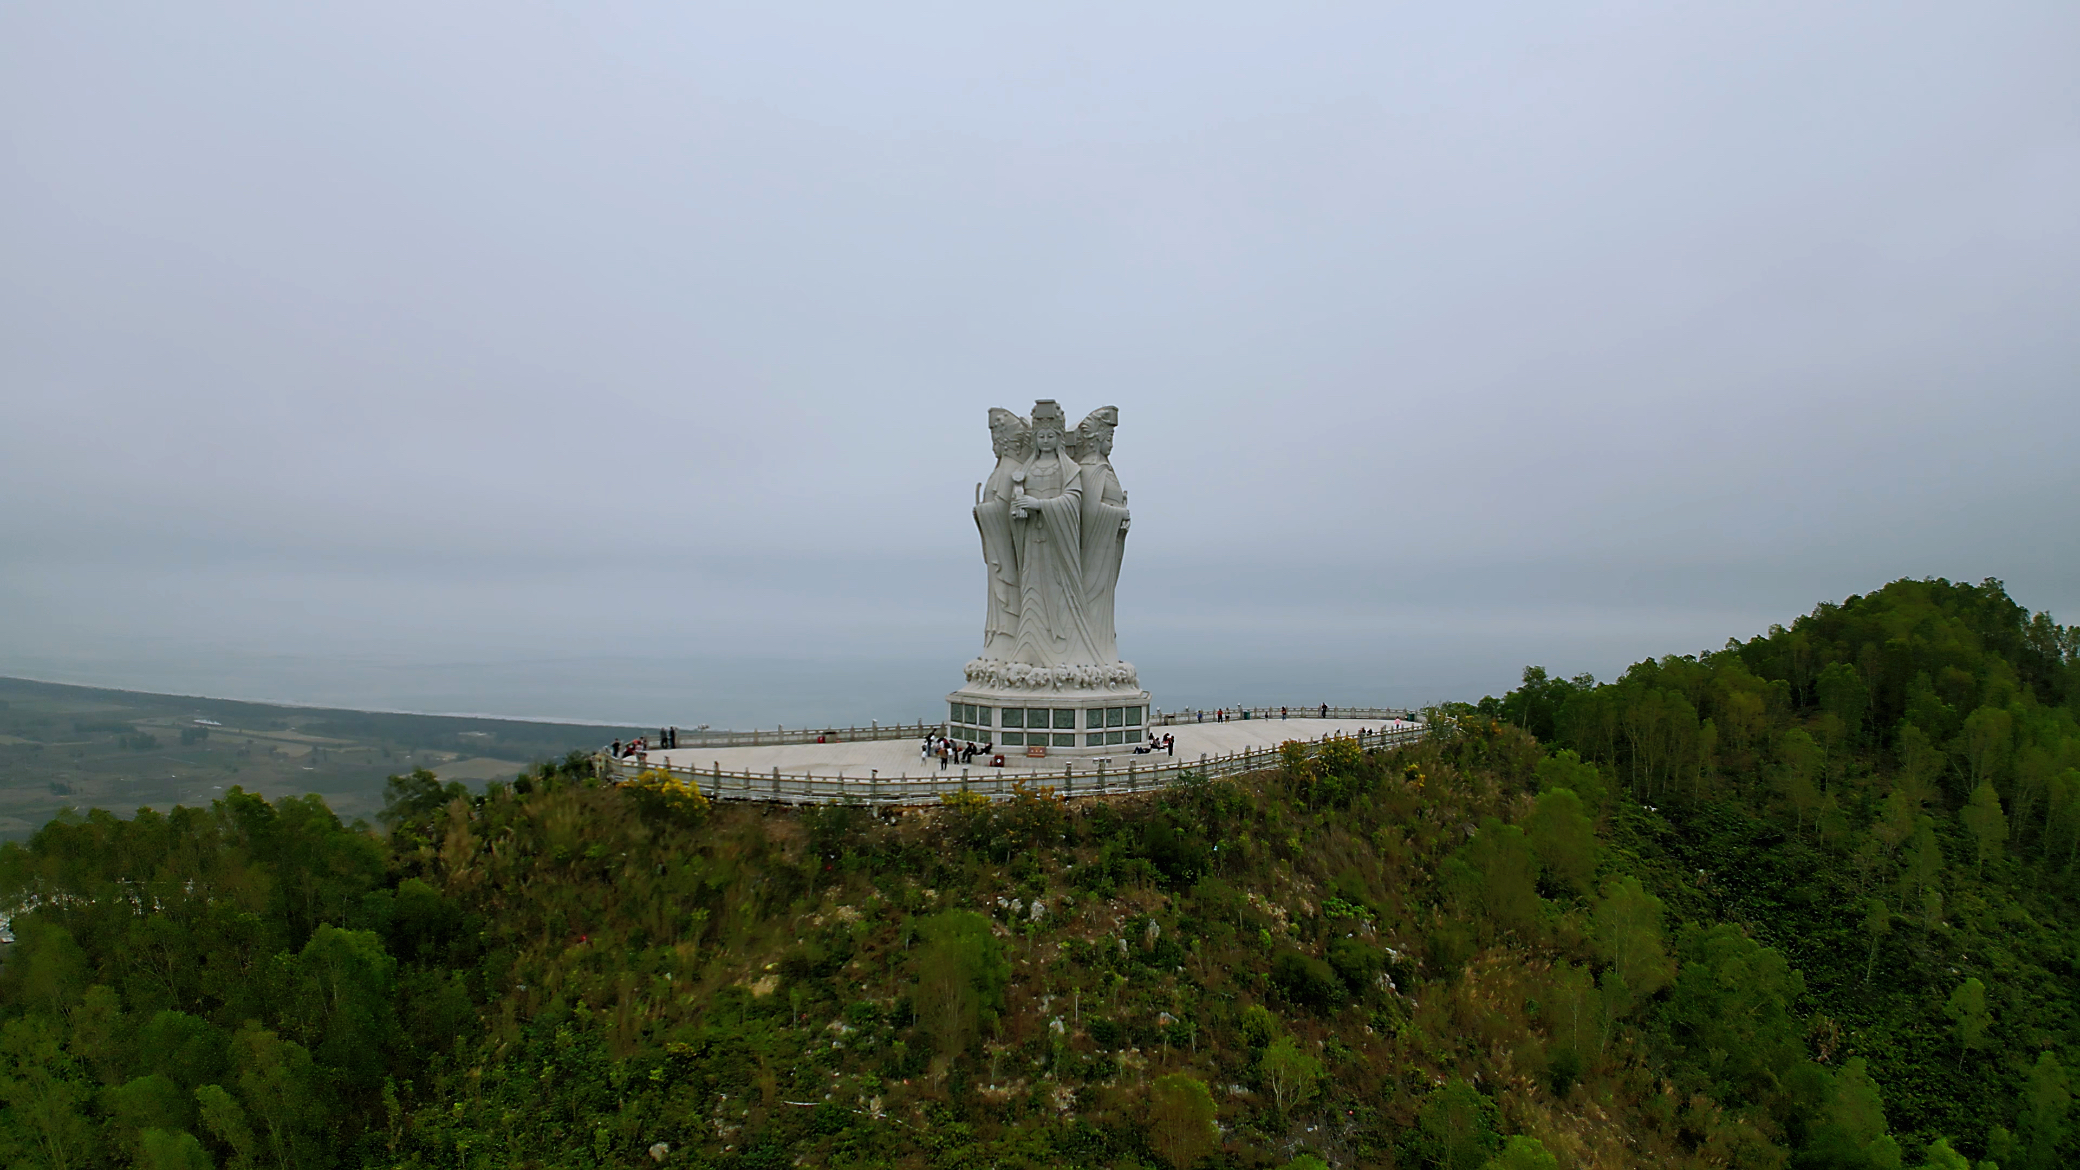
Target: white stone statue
x,y
1104,527
1047,529
1011,437
1053,521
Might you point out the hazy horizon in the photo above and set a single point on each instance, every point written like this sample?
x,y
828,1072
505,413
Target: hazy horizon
x,y
630,364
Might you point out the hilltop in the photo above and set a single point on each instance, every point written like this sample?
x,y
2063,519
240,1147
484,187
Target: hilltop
x,y
1805,900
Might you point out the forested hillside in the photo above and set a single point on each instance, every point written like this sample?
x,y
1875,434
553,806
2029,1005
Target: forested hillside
x,y
1807,901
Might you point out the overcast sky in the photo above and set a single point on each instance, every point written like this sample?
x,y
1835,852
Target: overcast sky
x,y
609,360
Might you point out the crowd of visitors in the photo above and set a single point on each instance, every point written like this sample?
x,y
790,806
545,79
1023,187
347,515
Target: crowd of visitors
x,y
667,737
1158,743
938,747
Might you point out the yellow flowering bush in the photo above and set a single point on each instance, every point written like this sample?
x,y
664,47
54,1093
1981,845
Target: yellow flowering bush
x,y
661,793
964,802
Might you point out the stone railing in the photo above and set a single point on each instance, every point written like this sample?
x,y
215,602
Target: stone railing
x,y
1084,777
1313,711
781,737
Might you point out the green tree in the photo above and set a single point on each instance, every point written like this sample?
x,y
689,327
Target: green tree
x,y
1852,1126
1579,1022
148,1103
160,1149
417,797
2047,1100
1523,1153
1895,823
1566,769
1299,767
226,1119
189,1050
280,1087
1942,1157
1986,823
1455,1128
345,985
1877,923
961,975
44,1092
1564,839
1989,734
1843,694
1628,937
1969,1016
1289,1073
2003,1149
1923,869
1707,756
1799,761
1504,877
1259,1026
46,968
1921,763
2062,816
1732,1011
99,1034
1181,1119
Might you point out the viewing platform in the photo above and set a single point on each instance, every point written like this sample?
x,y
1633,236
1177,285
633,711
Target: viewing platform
x,y
893,771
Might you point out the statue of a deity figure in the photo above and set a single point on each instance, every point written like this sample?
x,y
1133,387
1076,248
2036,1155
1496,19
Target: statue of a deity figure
x,y
1104,527
1053,520
1011,437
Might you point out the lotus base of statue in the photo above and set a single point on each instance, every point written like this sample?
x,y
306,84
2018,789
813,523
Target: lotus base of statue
x,y
1099,713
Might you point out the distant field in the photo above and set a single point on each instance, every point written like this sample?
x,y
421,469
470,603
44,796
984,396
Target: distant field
x,y
82,747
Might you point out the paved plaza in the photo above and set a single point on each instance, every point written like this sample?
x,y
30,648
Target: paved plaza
x,y
898,757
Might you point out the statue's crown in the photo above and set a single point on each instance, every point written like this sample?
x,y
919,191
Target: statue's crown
x,y
1049,409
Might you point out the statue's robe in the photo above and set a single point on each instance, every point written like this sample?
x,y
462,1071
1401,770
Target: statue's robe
x,y
1104,544
1052,627
1000,554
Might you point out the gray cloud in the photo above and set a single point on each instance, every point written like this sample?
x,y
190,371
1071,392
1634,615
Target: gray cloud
x,y
1444,340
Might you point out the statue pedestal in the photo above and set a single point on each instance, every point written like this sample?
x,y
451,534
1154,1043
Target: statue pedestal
x,y
1067,720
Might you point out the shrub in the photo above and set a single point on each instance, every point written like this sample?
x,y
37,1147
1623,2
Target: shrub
x,y
1455,1129
1306,980
961,977
1180,856
1181,1114
661,796
1258,1025
1357,961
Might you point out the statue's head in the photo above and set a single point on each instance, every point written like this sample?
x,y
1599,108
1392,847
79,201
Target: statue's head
x,y
1008,433
1048,423
1094,433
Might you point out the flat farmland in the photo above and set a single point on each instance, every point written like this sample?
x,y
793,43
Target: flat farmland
x,y
84,747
